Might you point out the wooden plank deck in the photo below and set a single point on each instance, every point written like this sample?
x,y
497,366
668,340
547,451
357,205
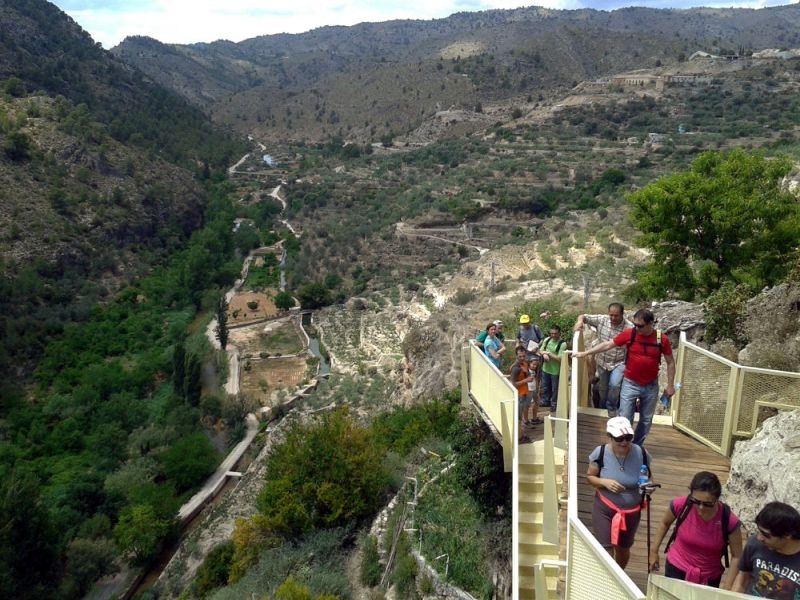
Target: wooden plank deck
x,y
676,457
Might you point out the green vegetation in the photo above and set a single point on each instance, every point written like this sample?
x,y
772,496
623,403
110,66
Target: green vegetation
x,y
110,446
265,276
726,219
323,481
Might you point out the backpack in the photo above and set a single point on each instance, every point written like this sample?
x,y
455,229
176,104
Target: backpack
x,y
645,458
546,340
657,344
726,517
537,333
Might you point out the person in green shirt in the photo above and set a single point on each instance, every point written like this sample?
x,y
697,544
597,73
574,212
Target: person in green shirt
x,y
552,349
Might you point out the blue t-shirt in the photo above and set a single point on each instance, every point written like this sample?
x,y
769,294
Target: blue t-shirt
x,y
625,472
492,342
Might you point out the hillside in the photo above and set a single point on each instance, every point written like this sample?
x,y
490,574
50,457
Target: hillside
x,y
423,178
377,80
103,173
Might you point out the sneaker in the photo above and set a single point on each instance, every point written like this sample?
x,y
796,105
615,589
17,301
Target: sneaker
x,y
525,440
612,413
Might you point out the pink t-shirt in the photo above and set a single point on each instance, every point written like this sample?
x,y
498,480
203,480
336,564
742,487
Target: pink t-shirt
x,y
697,549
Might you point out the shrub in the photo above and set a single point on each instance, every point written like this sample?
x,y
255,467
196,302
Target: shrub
x,y
371,568
724,310
323,475
215,570
463,296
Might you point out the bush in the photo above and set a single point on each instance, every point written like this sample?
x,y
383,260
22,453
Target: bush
x,y
479,466
371,568
463,296
215,570
190,460
323,475
724,311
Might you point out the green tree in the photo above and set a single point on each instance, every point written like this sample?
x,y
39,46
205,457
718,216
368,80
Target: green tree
x,y
27,540
88,560
190,460
140,531
725,219
284,300
222,322
314,295
325,475
17,146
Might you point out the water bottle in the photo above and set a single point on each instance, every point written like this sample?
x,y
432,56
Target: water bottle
x,y
665,398
644,478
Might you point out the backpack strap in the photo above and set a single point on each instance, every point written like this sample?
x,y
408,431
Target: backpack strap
x,y
633,337
726,517
687,506
547,340
645,458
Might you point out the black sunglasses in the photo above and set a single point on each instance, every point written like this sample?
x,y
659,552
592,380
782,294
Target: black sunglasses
x,y
706,503
622,438
640,325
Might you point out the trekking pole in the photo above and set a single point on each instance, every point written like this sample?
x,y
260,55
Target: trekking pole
x,y
647,495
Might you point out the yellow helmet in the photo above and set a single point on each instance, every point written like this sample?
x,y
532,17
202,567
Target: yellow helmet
x,y
524,319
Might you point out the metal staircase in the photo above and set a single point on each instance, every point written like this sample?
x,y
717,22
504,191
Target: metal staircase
x,y
533,549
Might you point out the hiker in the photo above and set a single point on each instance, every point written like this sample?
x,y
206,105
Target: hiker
x,y
529,332
552,349
492,347
770,563
704,529
614,473
481,337
520,376
609,366
644,345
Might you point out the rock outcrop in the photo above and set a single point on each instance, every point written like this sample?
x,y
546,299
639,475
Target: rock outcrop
x,y
675,316
764,468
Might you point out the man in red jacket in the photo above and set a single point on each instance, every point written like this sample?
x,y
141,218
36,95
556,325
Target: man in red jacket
x,y
645,346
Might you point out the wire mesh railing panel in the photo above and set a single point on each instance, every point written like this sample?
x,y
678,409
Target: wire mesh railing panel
x,y
763,392
703,396
588,574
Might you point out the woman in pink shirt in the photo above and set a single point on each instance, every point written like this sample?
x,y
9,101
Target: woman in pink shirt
x,y
695,553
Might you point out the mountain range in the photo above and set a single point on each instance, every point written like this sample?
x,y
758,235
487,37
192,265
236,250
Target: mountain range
x,y
374,79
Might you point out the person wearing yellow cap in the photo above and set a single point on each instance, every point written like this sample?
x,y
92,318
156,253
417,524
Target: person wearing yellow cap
x,y
528,332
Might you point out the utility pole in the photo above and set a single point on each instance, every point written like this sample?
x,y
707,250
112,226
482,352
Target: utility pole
x,y
587,287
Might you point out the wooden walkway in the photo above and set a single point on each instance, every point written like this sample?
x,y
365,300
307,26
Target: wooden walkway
x,y
676,457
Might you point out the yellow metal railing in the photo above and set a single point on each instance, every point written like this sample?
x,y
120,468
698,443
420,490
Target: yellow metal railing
x,y
591,572
721,400
497,398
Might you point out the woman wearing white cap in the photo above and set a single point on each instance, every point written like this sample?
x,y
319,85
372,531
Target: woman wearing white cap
x,y
614,473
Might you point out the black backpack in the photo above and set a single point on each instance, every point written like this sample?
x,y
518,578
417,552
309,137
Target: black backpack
x,y
544,342
633,337
726,517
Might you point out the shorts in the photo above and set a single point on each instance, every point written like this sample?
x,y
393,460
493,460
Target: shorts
x,y
601,523
523,402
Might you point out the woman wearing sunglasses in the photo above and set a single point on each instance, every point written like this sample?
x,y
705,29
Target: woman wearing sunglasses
x,y
695,550
614,473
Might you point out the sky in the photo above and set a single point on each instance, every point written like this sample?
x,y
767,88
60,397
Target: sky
x,y
192,21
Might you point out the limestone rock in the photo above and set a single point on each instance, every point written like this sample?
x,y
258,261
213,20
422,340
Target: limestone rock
x,y
764,468
674,316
